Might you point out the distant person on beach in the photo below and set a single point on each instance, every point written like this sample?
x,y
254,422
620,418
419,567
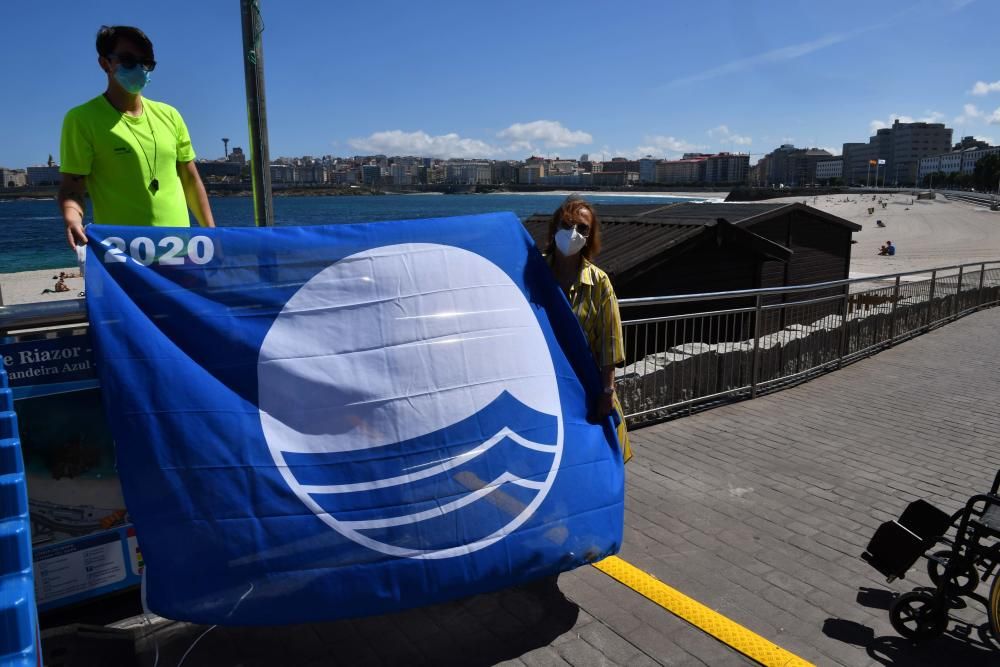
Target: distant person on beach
x,y
574,238
887,249
133,155
60,286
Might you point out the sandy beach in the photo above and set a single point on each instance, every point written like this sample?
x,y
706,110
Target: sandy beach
x,y
926,233
27,286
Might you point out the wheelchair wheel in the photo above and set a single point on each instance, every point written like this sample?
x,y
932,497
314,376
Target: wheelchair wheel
x,y
993,608
963,582
917,615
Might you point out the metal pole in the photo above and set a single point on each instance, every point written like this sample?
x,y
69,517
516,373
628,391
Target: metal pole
x,y
843,326
930,297
868,175
958,290
982,274
754,364
253,71
895,301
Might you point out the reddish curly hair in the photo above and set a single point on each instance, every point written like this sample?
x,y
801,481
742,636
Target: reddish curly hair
x,y
569,210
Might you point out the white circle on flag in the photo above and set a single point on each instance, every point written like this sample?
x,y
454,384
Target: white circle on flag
x,y
396,343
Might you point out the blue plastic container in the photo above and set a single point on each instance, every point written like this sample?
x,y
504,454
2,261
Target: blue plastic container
x,y
18,615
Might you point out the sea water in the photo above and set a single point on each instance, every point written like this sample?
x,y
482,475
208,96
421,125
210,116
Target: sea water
x,y
32,235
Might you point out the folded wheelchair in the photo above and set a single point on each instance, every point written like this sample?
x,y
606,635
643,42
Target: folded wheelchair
x,y
962,550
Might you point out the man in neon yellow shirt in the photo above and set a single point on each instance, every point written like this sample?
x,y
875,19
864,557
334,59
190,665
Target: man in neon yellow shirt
x,y
132,154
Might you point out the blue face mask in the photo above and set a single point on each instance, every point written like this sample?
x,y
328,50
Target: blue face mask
x,y
132,79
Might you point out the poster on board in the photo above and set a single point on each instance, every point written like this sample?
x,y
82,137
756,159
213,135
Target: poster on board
x,y
84,544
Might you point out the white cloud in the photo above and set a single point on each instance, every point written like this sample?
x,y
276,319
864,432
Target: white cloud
x,y
520,139
929,117
724,136
983,88
969,112
990,140
659,145
994,118
398,142
525,137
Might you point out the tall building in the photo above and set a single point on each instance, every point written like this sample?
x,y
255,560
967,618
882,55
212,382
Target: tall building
x,y
901,146
371,174
856,159
680,172
647,169
400,174
912,141
776,165
791,166
727,168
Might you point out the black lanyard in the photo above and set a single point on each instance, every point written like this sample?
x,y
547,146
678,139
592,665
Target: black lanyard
x,y
154,184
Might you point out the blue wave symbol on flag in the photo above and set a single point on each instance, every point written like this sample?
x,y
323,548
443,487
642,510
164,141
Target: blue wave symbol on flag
x,y
440,491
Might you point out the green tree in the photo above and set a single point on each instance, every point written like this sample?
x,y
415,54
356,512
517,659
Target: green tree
x,y
987,173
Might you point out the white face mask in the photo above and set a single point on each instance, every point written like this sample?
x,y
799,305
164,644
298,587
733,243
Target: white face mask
x,y
570,241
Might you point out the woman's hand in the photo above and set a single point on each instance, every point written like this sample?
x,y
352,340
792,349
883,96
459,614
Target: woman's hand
x,y
604,405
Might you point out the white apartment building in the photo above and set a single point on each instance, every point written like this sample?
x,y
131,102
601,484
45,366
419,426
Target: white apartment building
x,y
827,169
400,174
971,156
468,173
950,163
557,167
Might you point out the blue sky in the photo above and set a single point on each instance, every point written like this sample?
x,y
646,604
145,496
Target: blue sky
x,y
468,79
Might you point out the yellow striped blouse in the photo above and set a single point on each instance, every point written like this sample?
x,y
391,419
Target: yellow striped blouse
x,y
593,300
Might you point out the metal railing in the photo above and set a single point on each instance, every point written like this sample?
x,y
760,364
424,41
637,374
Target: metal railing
x,y
680,354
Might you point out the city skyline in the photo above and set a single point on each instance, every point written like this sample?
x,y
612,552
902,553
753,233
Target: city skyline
x,y
506,83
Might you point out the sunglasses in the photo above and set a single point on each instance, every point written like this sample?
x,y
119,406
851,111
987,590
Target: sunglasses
x,y
128,61
582,228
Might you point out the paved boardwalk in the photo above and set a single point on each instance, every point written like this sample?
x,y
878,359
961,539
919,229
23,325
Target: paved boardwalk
x,y
758,509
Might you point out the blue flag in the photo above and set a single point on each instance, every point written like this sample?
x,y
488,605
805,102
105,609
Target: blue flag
x,y
337,421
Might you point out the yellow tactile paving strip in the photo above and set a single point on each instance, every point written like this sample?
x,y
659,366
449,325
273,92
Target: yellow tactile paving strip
x,y
725,630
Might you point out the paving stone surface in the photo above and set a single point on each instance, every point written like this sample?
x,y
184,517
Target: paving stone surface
x,y
758,509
